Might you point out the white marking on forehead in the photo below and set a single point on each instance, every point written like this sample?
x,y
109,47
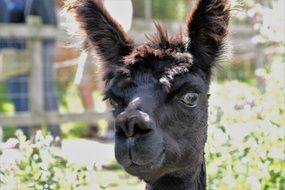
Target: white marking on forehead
x,y
136,100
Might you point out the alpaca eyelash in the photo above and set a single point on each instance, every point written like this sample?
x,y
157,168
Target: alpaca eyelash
x,y
116,102
113,103
183,89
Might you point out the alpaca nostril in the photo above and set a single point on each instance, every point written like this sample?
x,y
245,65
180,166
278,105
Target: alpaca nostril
x,y
140,128
131,124
134,126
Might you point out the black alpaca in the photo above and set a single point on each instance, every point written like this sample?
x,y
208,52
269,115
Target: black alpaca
x,y
159,91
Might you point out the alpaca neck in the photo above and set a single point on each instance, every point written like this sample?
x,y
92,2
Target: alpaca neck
x,y
181,180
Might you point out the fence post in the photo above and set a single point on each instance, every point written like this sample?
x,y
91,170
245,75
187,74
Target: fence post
x,y
36,83
148,9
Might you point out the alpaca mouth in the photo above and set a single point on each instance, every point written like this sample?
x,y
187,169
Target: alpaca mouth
x,y
149,164
144,151
147,171
136,159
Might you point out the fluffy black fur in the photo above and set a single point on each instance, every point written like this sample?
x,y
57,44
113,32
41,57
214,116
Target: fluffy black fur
x,y
159,137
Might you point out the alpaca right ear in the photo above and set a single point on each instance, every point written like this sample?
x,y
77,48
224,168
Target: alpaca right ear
x,y
207,26
104,34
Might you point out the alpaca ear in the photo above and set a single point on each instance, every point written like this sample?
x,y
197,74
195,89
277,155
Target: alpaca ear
x,y
207,26
104,34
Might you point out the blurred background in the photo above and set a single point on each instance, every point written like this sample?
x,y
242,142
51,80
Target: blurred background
x,y
246,135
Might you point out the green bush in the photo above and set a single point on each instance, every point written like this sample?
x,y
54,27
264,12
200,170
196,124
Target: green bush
x,y
245,147
41,167
169,9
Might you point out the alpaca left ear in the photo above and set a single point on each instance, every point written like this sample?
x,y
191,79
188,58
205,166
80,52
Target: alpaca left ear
x,y
104,34
207,29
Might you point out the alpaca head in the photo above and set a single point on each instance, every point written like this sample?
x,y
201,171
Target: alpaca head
x,y
158,89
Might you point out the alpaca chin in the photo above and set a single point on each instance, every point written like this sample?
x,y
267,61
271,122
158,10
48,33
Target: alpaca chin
x,y
141,153
149,171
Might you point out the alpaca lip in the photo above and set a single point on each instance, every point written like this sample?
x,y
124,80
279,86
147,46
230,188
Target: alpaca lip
x,y
147,170
139,151
149,165
130,143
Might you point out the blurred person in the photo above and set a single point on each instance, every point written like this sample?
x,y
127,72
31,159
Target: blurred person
x,y
12,11
86,82
46,9
85,77
15,11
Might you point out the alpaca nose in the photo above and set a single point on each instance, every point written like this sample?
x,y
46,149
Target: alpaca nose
x,y
134,125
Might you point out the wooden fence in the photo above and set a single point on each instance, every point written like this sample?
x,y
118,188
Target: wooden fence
x,y
34,31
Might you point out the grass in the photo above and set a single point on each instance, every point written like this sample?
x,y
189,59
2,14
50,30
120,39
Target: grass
x,y
118,179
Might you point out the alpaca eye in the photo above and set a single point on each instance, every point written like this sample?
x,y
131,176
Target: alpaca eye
x,y
190,99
